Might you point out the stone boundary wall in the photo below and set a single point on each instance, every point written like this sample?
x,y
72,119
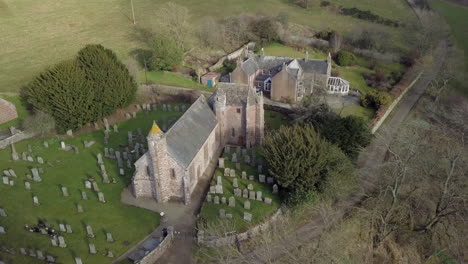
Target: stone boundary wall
x,y
234,55
156,253
171,90
379,122
20,135
230,238
7,111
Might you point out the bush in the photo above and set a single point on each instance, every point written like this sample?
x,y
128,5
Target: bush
x,y
166,54
324,3
302,162
369,16
82,90
376,99
229,65
345,58
266,30
324,34
40,123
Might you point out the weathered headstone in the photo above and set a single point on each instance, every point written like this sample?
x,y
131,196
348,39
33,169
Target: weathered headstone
x,y
64,191
227,149
70,133
50,259
252,195
88,185
46,144
109,237
35,173
247,159
6,173
40,160
247,217
216,200
237,192
251,177
228,216
30,159
129,164
267,200
32,253
221,163
106,124
12,183
101,197
247,205
62,243
6,180
250,187
29,148
212,189
109,254
12,173
89,231
36,201
40,255
227,171
95,186
24,156
232,173
219,189
259,196
261,178
92,249
14,154
116,129
235,184
3,213
234,157
232,201
78,260
275,189
62,145
53,241
209,198
23,251
27,185
2,230
223,200
222,213
238,166
244,175
121,172
99,159
62,228
245,193
79,208
219,180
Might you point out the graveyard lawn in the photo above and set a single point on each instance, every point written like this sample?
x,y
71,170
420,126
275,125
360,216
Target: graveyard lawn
x,y
171,79
260,211
127,224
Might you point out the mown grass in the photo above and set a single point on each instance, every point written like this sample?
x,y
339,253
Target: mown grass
x,y
38,34
171,79
357,110
259,210
127,224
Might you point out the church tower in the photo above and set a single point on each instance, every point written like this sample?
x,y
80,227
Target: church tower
x,y
157,165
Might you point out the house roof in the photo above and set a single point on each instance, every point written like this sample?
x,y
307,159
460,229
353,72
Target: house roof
x,y
211,75
274,64
186,137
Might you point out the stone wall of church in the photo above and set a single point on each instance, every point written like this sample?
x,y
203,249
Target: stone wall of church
x,y
142,182
235,125
173,187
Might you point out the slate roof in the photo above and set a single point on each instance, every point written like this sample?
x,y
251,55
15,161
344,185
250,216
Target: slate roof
x,y
236,94
186,137
274,64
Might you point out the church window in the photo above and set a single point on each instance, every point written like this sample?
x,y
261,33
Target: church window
x,y
238,110
233,132
173,173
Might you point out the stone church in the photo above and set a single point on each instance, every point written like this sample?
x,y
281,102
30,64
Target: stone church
x,y
176,159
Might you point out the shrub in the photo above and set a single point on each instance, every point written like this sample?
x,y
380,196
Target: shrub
x,y
40,123
166,54
368,15
324,3
229,65
324,34
376,99
345,58
266,30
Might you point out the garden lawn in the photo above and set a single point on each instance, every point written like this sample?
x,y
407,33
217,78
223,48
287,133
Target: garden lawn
x,y
259,210
171,79
357,110
127,224
20,108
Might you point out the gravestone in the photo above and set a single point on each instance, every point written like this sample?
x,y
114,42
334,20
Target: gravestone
x,y
121,172
32,253
64,191
35,174
89,231
251,177
109,237
222,213
88,144
252,195
3,213
95,186
50,259
232,173
219,189
275,189
245,193
268,200
101,197
125,155
88,185
27,185
244,175
235,183
238,166
79,208
219,180
23,251
24,156
2,230
78,260
41,170
62,228
6,180
234,157
213,189
270,180
6,173
259,196
250,187
62,243
116,129
261,178
247,217
99,159
247,159
62,145
109,254
12,183
106,124
40,255
46,144
96,126
216,200
232,202
14,154
237,192
227,149
84,195
36,201
70,133
106,152
209,198
29,148
247,205
129,164
12,173
221,163
53,242
92,249
40,160
227,171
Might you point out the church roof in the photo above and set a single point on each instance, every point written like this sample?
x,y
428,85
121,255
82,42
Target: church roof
x,y
237,94
186,137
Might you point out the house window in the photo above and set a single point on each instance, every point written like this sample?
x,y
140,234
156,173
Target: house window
x,y
233,132
172,173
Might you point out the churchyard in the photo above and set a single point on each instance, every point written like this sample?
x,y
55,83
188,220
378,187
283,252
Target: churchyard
x,y
241,192
60,196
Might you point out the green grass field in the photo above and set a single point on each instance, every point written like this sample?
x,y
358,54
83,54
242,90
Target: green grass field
x,y
277,49
127,224
38,34
259,210
172,79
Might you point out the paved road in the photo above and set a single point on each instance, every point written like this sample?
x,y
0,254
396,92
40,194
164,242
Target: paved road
x,y
369,163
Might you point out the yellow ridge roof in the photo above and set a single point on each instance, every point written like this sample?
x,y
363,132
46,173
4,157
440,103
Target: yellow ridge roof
x,y
155,129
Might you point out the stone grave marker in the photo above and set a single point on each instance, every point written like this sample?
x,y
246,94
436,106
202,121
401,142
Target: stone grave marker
x,y
53,242
29,148
237,192
40,255
41,170
27,185
89,231
95,186
88,144
223,200
12,183
12,173
101,197
23,251
62,228
259,196
209,198
109,237
3,213
129,164
2,230
245,193
244,175
6,180
247,217
62,243
92,249
35,173
238,166
227,149
252,195
79,208
50,259
109,254
14,154
270,180
275,189
78,260
99,159
46,144
88,185
232,173
268,200
212,189
235,184
219,180
227,171
221,163
247,159
64,191
36,201
116,129
69,229
216,200
251,178
232,202
32,253
261,178
228,216
6,173
106,124
234,157
222,213
250,187
40,160
219,189
63,145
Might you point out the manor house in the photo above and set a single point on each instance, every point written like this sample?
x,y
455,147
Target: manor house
x,y
176,159
288,79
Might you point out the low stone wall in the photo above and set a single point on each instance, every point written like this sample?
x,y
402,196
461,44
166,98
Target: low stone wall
x,y
7,111
18,136
232,238
158,89
234,55
156,253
